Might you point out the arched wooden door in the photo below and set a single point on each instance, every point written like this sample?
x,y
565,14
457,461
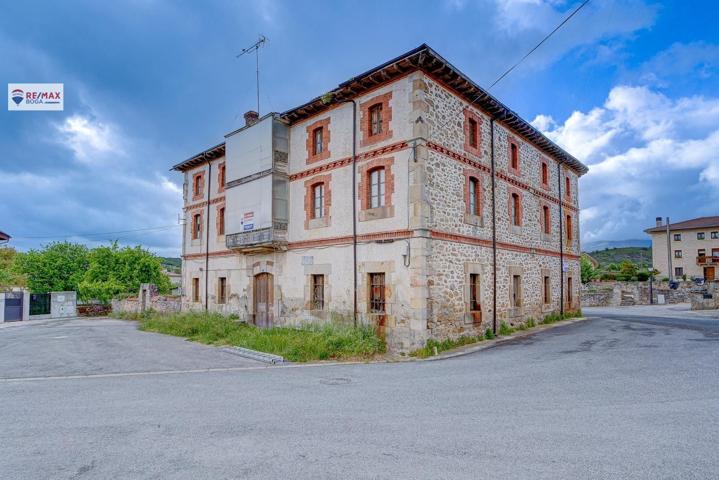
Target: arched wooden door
x,y
263,288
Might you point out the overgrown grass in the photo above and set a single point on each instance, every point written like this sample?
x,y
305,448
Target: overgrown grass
x,y
429,349
302,344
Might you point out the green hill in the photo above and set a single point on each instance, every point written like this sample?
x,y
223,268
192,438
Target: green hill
x,y
171,264
640,256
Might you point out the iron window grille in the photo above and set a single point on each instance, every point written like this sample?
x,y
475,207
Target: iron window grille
x,y
377,301
318,292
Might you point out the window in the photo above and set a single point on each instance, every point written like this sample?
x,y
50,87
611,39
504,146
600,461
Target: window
x,y
569,290
221,221
547,289
196,226
715,235
569,228
377,188
473,133
318,292
375,119
318,201
567,188
514,156
701,252
474,292
516,210
677,237
545,174
700,235
197,181
317,134
516,294
546,220
678,271
221,177
222,290
473,206
677,254
376,293
195,290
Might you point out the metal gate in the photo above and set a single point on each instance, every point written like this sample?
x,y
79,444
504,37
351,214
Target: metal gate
x,y
13,306
39,304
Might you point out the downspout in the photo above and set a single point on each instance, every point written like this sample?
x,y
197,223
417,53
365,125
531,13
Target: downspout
x,y
494,229
354,209
561,242
207,233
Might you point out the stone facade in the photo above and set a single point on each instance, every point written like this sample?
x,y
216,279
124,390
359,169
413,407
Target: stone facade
x,y
425,240
621,294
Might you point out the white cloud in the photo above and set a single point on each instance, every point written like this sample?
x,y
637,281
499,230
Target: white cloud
x,y
647,153
88,138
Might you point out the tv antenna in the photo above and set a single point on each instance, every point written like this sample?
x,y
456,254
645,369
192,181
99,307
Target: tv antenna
x,y
256,48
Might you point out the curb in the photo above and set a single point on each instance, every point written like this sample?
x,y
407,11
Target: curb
x,y
486,344
255,355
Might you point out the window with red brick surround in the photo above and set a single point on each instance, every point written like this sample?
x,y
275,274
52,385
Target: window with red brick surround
x,y
196,226
369,124
472,132
310,189
220,221
198,185
567,188
514,165
365,185
316,152
545,216
472,192
220,178
514,205
570,228
544,175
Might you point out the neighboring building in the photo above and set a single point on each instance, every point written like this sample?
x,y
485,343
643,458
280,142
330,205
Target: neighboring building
x,y
693,247
4,238
279,226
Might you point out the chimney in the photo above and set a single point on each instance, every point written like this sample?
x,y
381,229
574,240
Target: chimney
x,y
251,118
659,221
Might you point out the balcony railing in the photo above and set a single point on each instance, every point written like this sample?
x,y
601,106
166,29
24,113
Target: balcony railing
x,y
270,238
708,260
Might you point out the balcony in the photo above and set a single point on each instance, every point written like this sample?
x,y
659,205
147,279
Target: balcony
x,y
708,260
265,239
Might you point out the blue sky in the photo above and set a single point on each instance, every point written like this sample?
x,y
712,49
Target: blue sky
x,y
629,87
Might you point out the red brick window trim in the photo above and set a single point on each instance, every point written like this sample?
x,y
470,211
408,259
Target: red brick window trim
x,y
318,140
221,178
312,187
375,119
545,217
198,185
570,228
383,183
220,221
196,227
472,192
514,205
514,165
567,188
544,175
472,133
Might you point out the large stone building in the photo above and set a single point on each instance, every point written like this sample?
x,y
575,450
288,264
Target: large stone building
x,y
407,198
692,250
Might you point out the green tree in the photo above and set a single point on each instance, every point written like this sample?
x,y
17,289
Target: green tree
x,y
56,267
587,270
9,275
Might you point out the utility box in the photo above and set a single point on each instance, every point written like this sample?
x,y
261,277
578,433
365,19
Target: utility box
x,y
257,186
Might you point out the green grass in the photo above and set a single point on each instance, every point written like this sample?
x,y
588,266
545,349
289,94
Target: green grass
x,y
302,344
444,345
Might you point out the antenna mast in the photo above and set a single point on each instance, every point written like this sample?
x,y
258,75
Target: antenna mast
x,y
256,47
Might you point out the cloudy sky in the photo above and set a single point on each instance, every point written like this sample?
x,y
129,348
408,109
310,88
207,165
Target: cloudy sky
x,y
628,86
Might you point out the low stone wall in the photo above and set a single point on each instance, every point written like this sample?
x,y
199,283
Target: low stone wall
x,y
616,294
159,303
707,299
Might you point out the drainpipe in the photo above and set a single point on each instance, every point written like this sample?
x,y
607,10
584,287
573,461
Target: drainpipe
x,y
669,253
354,208
207,233
561,242
494,229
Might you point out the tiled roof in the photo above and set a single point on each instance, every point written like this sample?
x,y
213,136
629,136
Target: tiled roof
x,y
694,223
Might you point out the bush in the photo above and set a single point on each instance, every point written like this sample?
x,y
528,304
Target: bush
x,y
607,276
444,345
505,329
643,276
489,334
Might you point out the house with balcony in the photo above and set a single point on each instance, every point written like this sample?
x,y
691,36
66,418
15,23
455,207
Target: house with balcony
x,y
689,248
407,198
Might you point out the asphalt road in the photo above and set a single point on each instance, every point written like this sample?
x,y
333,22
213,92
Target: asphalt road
x,y
599,399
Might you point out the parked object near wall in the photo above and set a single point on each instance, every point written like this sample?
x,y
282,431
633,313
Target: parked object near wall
x,y
148,298
620,294
14,305
21,305
706,298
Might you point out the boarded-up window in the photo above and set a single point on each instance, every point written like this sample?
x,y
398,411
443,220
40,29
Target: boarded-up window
x,y
221,221
547,288
317,141
545,174
375,119
318,292
514,156
195,289
196,226
222,290
473,133
474,292
567,190
570,228
570,293
376,293
516,210
546,220
516,293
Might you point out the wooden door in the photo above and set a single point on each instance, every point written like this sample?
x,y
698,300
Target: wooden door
x,y
263,299
709,274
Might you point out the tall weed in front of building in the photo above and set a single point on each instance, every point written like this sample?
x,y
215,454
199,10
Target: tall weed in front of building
x,y
301,344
